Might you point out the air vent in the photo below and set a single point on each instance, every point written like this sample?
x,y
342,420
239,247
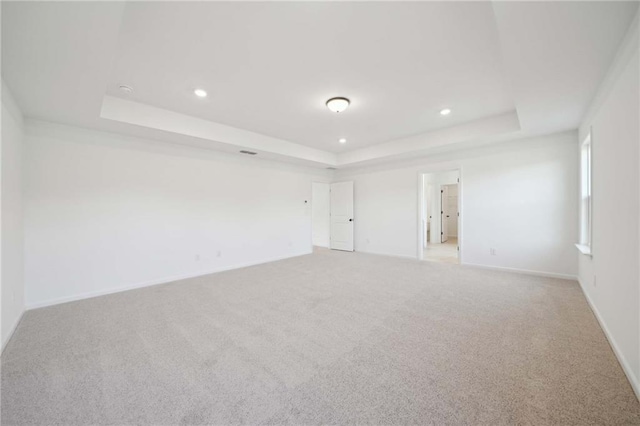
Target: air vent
x,y
331,168
248,152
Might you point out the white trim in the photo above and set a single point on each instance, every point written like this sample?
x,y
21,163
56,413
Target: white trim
x,y
440,169
586,215
523,271
584,249
397,256
633,380
165,280
13,330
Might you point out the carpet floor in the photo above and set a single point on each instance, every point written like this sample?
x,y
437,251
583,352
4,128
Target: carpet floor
x,y
328,338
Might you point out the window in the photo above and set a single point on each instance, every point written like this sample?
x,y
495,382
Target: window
x,y
585,196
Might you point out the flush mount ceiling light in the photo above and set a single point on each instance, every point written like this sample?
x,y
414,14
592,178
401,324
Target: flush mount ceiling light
x,y
126,89
200,93
338,104
445,111
342,140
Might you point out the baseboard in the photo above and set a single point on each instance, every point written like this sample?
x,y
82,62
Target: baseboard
x,y
13,330
633,380
524,271
143,284
400,256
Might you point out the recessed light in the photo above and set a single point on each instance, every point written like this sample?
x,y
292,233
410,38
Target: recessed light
x,y
126,89
200,93
338,104
445,111
342,140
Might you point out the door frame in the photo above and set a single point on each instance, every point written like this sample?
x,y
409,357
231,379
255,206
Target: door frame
x,y
421,208
351,220
444,199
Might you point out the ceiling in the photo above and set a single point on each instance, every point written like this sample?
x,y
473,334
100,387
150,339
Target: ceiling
x,y
508,69
270,67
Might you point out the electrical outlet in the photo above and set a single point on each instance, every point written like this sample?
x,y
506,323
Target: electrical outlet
x,y
492,251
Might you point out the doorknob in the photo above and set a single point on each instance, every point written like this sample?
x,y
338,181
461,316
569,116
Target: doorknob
x,y
350,220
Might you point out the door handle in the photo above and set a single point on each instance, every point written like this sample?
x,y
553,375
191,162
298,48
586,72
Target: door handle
x,y
350,220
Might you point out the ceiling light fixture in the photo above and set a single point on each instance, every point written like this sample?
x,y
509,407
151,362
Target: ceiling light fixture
x,y
445,111
342,140
200,93
126,89
338,104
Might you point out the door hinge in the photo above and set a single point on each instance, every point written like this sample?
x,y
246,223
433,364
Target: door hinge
x,y
441,233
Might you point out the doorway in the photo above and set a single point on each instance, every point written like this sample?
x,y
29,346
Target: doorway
x,y
342,216
332,220
440,236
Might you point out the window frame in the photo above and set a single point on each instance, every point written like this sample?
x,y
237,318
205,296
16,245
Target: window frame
x,y
586,196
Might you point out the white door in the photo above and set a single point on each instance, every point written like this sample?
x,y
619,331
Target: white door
x,y
342,216
444,213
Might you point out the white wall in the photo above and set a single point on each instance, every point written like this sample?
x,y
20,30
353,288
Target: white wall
x,y
320,213
611,279
519,198
105,212
12,294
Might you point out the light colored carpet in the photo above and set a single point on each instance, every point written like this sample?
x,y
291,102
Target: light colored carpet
x,y
446,252
332,338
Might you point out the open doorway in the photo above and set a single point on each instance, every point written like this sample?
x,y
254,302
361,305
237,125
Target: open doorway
x,y
440,234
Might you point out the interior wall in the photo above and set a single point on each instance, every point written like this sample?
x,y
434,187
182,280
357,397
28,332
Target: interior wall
x,y
104,212
519,198
11,265
611,278
320,213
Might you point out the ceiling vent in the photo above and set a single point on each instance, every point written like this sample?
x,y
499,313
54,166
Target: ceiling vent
x,y
248,152
331,168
